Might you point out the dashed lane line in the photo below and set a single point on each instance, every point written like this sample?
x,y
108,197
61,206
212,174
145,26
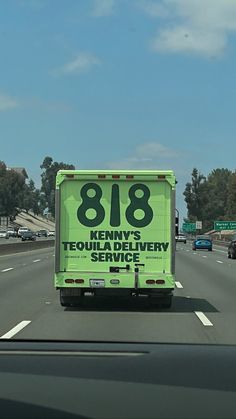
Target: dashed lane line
x,y
219,261
7,269
15,329
36,260
178,284
203,318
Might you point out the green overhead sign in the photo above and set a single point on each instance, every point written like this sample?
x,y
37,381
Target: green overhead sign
x,y
189,227
224,225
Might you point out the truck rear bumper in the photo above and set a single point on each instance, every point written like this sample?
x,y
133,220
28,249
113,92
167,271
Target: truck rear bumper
x,y
118,292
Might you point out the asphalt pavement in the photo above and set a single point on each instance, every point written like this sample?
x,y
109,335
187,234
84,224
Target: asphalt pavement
x,y
203,309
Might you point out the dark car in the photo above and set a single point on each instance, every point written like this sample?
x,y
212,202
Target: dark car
x,y
28,235
232,248
42,233
202,242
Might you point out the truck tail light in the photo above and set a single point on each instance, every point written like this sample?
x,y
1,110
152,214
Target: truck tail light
x,y
150,281
115,176
129,177
70,176
160,281
101,176
161,176
79,281
69,281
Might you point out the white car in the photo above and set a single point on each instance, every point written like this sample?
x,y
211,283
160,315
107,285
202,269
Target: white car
x,y
22,230
181,238
51,233
3,234
11,232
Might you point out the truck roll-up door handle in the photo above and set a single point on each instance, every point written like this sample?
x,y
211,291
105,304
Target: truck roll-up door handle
x,y
139,264
118,268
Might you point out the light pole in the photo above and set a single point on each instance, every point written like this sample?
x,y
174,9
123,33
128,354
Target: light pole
x,y
177,222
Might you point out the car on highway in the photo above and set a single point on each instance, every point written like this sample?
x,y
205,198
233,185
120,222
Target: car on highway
x,y
181,238
42,233
11,232
4,234
202,243
28,235
51,233
22,230
232,248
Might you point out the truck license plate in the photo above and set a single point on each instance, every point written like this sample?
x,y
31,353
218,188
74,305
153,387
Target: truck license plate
x,y
97,283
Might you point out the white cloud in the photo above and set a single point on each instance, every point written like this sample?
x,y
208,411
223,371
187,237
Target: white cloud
x,y
7,103
153,9
103,8
81,64
150,155
193,26
187,39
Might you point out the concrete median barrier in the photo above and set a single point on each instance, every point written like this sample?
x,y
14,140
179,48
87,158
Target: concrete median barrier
x,y
17,247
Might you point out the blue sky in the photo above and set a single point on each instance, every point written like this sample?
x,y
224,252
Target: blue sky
x,y
119,84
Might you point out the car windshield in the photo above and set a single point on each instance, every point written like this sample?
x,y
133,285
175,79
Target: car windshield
x,y
117,127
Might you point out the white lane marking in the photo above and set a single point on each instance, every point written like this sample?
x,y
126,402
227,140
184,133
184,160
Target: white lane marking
x,y
219,261
204,256
205,321
6,270
15,329
36,260
178,284
187,250
194,253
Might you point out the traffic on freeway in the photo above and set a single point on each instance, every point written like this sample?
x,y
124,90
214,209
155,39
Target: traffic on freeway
x,y
203,302
118,209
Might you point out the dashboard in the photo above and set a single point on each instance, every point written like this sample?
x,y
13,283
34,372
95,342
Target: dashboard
x,y
48,379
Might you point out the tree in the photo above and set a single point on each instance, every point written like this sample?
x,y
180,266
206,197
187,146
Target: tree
x,y
12,187
48,176
196,196
30,198
218,183
231,199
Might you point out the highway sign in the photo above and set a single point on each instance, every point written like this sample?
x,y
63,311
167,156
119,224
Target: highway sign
x,y
189,227
224,225
198,225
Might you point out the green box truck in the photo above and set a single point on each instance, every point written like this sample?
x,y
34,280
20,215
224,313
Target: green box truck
x,y
115,234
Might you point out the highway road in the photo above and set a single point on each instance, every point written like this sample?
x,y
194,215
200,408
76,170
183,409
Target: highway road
x,y
203,310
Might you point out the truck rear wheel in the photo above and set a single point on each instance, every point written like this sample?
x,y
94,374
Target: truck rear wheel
x,y
70,301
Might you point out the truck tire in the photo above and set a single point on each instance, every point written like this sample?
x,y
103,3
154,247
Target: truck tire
x,y
67,301
229,255
233,255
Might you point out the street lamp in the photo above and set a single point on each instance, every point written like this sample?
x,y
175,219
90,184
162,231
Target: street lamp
x,y
177,222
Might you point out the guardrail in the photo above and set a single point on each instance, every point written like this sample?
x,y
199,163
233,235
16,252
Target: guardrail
x,y
17,247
